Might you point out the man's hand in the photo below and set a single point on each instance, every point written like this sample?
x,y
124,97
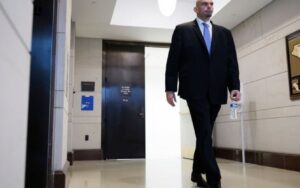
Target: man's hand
x,y
235,95
171,97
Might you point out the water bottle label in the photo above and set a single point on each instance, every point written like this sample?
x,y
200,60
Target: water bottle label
x,y
234,105
233,110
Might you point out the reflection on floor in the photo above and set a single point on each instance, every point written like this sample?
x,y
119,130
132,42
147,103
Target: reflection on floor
x,y
173,174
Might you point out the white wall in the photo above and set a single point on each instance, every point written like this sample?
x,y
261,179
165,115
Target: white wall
x,y
88,67
188,138
162,124
162,120
272,120
71,85
15,46
61,88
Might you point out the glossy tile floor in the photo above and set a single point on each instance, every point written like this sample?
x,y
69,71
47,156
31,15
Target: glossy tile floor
x,y
173,174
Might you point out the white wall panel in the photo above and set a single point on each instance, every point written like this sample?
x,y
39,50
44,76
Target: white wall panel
x,y
162,120
14,81
271,118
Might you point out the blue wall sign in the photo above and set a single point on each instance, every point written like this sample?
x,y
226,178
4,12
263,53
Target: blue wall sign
x,y
87,103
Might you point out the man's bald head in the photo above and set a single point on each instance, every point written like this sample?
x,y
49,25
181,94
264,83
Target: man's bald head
x,y
204,9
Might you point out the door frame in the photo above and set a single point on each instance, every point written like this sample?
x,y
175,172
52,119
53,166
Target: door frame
x,y
104,79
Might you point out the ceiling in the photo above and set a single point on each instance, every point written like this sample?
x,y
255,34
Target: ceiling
x,y
141,20
147,13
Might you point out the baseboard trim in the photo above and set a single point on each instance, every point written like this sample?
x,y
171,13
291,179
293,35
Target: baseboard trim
x,y
86,155
271,159
59,179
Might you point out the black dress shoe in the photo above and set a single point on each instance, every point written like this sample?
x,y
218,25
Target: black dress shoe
x,y
200,181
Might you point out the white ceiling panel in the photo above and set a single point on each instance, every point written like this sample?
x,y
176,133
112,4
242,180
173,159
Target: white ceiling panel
x,y
147,14
141,20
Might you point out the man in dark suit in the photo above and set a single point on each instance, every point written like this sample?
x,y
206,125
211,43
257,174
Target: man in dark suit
x,y
203,56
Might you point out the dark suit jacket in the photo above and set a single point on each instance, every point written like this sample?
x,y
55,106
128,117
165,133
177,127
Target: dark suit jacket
x,y
202,76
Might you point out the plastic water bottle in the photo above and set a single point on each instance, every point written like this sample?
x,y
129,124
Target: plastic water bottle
x,y
234,106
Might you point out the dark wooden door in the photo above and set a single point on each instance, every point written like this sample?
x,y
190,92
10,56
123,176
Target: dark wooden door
x,y
123,100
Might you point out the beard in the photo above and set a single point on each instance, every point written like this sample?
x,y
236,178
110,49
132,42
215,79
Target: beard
x,y
208,14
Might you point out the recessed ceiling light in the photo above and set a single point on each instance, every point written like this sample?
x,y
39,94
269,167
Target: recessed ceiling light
x,y
167,7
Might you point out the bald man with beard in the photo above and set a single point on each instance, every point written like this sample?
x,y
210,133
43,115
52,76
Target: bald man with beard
x,y
203,58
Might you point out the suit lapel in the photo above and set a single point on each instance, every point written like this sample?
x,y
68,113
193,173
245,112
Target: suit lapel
x,y
214,38
199,34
